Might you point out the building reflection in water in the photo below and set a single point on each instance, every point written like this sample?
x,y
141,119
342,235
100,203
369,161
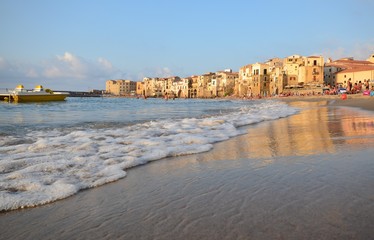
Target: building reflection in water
x,y
317,129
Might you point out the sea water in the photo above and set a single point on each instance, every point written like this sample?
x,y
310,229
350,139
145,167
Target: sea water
x,y
49,151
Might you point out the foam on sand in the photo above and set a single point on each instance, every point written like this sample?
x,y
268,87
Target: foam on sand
x,y
44,166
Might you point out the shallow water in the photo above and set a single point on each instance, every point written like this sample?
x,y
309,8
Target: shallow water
x,y
49,151
308,176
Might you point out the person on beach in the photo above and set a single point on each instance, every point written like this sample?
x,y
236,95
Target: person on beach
x,y
372,91
359,86
355,89
349,86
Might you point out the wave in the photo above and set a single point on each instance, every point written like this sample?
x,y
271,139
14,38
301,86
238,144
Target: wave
x,y
50,164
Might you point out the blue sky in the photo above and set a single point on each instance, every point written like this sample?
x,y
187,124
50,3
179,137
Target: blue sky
x,y
79,44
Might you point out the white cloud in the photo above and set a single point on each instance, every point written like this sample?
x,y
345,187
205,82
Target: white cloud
x,y
360,51
164,72
155,72
105,63
68,71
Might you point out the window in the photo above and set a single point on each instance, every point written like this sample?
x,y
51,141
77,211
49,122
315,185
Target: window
x,y
315,62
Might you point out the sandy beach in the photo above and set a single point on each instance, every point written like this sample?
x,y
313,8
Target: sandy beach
x,y
307,176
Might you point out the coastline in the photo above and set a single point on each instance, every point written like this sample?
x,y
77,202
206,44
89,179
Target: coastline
x,y
357,101
267,183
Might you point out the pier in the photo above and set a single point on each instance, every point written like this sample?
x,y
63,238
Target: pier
x,y
5,94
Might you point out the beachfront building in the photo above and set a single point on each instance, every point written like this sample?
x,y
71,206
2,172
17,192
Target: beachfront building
x,y
302,71
342,71
120,87
277,76
274,76
194,85
311,72
330,69
186,88
179,88
278,80
225,82
140,88
259,82
159,87
152,87
167,85
291,66
204,85
242,84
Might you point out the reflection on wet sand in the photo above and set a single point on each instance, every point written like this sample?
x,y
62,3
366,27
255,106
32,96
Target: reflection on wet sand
x,y
319,129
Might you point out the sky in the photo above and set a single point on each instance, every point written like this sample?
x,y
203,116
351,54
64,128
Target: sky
x,y
79,44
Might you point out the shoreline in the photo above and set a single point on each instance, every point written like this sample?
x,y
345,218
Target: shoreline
x,y
264,184
356,101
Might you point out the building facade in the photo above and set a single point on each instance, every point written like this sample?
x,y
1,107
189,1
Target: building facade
x,y
342,71
120,87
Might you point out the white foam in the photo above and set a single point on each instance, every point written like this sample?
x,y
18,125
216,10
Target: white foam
x,y
49,165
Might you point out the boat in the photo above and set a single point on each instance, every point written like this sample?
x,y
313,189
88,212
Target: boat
x,y
38,94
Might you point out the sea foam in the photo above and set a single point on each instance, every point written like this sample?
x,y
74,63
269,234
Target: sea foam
x,y
44,166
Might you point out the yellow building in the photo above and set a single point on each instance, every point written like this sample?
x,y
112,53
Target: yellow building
x,y
355,75
341,71
311,72
194,85
204,85
302,71
225,82
242,84
140,88
259,82
151,87
291,67
120,87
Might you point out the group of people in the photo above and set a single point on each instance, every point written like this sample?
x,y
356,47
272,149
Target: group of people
x,y
356,88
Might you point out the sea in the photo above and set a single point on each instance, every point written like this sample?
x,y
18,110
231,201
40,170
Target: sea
x,y
50,151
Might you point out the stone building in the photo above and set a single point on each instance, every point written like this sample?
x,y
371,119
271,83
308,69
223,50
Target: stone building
x,y
242,84
140,88
340,71
120,87
225,82
204,85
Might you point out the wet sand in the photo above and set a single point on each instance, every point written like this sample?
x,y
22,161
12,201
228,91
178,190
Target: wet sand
x,y
308,176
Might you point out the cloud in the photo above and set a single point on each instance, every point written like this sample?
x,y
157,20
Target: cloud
x,y
360,51
71,66
155,72
70,72
67,72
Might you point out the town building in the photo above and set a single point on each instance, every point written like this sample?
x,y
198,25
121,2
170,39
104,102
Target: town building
x,y
344,70
140,88
242,84
193,86
277,76
225,82
302,71
205,89
120,87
